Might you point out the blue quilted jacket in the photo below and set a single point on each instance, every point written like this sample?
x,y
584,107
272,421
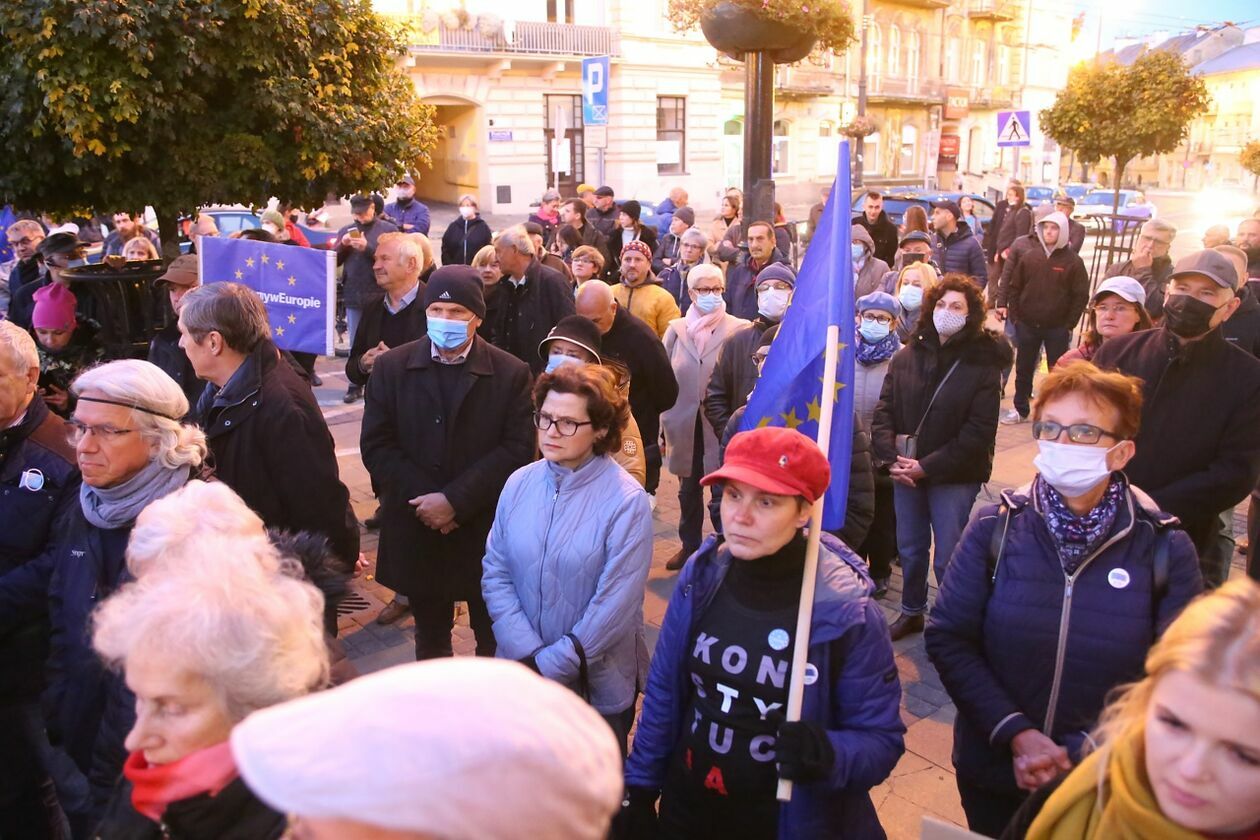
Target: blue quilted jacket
x,y
1039,649
856,695
569,554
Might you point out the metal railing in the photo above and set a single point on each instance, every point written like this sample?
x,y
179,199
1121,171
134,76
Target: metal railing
x,y
917,88
528,38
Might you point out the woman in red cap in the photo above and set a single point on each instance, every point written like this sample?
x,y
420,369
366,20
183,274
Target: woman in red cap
x,y
712,742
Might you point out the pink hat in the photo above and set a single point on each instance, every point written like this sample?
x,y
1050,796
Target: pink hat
x,y
54,308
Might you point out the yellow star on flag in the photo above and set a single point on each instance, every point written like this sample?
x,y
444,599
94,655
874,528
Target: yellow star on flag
x,y
279,330
292,280
265,259
239,274
791,420
249,261
815,409
765,421
839,385
292,319
279,265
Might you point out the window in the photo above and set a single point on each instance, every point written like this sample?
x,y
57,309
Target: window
x,y
779,152
953,70
975,151
912,61
909,139
1003,66
873,54
671,135
870,153
828,148
894,51
567,11
977,63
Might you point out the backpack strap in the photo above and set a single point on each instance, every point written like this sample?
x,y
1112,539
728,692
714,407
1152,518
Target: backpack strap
x,y
584,680
1160,566
997,542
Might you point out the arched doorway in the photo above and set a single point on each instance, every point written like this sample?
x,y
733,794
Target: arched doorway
x,y
457,158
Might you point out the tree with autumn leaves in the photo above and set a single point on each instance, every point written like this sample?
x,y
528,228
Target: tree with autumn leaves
x,y
118,104
1123,112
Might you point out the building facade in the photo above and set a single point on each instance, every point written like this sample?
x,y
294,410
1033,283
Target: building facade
x,y
505,78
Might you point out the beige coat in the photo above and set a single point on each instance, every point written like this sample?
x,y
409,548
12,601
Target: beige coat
x,y
692,370
631,456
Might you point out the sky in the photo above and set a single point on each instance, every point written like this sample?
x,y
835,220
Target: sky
x,y
1140,17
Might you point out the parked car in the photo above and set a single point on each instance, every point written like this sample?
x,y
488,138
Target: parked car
x,y
1036,196
1077,189
896,203
1100,201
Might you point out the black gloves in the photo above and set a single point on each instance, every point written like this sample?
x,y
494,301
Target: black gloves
x,y
637,819
531,663
803,751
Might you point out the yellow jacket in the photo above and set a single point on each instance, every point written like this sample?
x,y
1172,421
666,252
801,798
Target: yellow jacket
x,y
649,303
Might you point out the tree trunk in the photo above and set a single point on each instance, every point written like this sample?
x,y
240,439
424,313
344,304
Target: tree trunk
x,y
1121,163
168,229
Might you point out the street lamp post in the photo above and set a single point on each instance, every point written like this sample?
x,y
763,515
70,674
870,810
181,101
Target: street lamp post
x,y
758,137
859,143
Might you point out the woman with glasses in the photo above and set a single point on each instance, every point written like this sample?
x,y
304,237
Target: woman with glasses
x,y
587,263
1054,596
568,555
1117,308
131,450
692,343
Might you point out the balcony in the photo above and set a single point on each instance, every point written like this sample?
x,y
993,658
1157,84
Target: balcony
x,y
984,97
919,4
800,83
995,10
895,89
524,38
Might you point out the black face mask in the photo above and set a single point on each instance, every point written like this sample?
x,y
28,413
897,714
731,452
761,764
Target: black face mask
x,y
1187,316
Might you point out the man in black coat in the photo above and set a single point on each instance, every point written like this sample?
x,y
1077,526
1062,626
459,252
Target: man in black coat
x,y
957,250
1242,329
39,481
879,226
653,387
1150,264
603,216
396,318
181,277
356,253
1199,447
268,440
1011,219
533,298
573,213
446,421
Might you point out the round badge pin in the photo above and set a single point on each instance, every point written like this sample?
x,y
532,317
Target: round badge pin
x,y
32,480
779,638
1118,578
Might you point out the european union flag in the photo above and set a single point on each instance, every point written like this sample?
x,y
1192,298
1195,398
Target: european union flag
x,y
790,390
296,285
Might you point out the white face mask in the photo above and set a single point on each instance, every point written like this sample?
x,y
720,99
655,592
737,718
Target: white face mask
x,y
772,303
948,323
467,212
1071,469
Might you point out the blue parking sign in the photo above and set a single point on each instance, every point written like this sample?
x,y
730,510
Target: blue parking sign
x,y
595,91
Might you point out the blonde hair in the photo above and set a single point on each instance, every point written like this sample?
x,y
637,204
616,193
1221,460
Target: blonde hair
x,y
1216,638
484,256
927,276
426,250
141,241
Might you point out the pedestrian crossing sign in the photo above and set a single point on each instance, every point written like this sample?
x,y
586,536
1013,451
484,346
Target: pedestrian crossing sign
x,y
1014,128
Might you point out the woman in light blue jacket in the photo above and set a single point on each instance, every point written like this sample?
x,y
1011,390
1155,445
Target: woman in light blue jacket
x,y
568,555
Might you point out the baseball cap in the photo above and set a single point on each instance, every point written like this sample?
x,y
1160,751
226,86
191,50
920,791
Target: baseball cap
x,y
360,201
915,236
583,189
574,329
775,460
406,179
1211,264
950,205
182,272
605,192
1123,287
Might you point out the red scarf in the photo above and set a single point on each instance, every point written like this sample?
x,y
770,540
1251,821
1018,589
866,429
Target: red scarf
x,y
155,786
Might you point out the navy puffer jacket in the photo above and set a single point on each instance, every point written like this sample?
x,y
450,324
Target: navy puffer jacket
x,y
961,253
1039,649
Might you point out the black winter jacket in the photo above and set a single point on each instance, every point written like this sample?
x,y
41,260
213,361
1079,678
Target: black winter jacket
x,y
526,314
411,446
1015,222
1038,649
358,279
957,440
884,232
653,386
1154,278
961,252
741,284
619,238
270,443
734,375
1048,291
463,238
369,333
234,813
27,519
165,352
1243,327
1198,451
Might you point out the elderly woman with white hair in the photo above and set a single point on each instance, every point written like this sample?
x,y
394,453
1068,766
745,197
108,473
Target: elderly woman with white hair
x,y
692,251
214,628
692,343
131,449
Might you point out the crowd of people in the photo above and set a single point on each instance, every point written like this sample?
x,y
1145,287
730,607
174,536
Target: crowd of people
x,y
175,536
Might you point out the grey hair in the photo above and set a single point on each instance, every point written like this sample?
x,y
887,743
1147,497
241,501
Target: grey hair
x,y
254,634
1161,226
26,226
694,236
408,247
233,310
426,249
17,348
702,272
180,520
146,386
516,238
551,195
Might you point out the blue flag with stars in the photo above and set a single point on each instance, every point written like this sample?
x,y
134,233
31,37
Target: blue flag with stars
x,y
297,285
790,390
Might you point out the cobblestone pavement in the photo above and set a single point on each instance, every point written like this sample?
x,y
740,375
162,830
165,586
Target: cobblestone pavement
x,y
923,781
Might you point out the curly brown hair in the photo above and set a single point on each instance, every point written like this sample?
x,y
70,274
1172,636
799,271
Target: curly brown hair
x,y
608,409
953,282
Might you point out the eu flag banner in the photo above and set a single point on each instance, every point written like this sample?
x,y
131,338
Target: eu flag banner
x,y
790,390
297,285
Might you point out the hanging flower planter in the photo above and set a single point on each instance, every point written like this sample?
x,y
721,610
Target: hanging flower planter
x,y
786,29
862,126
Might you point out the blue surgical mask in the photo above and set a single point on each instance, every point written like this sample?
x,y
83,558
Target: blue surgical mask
x,y
555,360
874,331
858,251
708,302
911,297
447,334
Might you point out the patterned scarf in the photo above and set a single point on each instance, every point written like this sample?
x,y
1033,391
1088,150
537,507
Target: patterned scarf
x,y
872,354
1076,537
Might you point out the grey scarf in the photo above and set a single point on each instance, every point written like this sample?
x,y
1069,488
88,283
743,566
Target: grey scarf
x,y
114,507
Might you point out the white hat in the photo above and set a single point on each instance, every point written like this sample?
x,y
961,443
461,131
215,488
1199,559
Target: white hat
x,y
455,748
1124,287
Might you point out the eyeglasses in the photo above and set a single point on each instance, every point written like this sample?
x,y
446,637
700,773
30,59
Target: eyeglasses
x,y
1077,432
777,285
21,243
1146,237
1113,308
565,426
76,431
583,260
708,290
876,319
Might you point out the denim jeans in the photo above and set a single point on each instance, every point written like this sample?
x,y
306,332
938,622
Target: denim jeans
x,y
1028,343
931,513
691,497
353,315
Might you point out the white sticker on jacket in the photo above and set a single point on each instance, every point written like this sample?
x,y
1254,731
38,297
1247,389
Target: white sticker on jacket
x,y
1118,578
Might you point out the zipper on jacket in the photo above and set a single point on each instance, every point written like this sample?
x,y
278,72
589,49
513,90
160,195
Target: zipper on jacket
x,y
1065,618
551,518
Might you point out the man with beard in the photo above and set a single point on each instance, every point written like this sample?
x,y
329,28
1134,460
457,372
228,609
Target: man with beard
x,y
410,215
1249,241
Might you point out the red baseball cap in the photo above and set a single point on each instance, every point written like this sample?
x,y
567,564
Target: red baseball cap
x,y
775,460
